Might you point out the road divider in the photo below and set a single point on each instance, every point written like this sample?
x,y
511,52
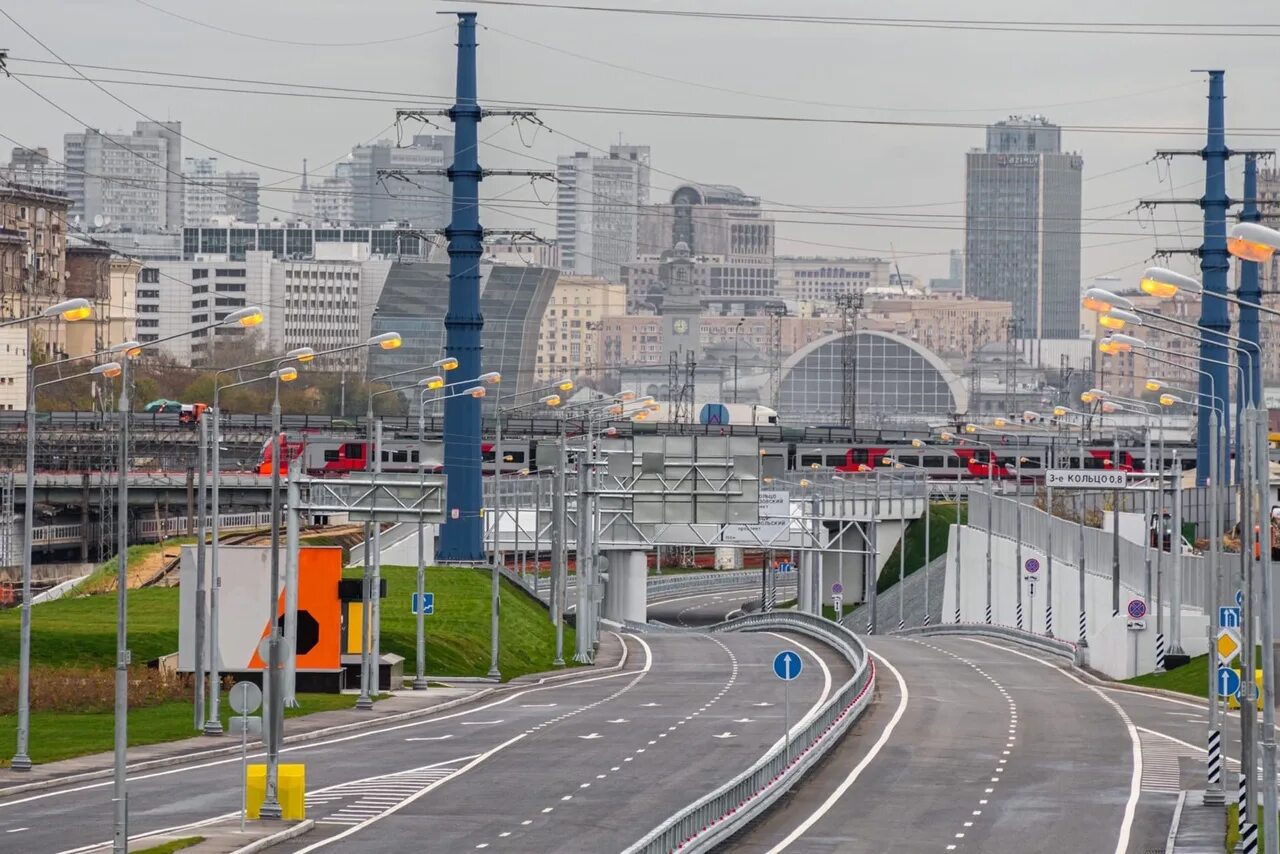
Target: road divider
x,y
715,817
1055,647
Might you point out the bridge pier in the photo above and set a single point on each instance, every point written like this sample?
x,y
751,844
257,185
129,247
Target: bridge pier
x,y
625,595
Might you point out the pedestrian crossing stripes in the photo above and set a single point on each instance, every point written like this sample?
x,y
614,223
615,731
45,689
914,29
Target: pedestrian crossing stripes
x,y
1161,761
361,800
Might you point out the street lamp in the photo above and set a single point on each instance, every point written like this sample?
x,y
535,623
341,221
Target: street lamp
x,y
248,316
71,311
271,803
550,401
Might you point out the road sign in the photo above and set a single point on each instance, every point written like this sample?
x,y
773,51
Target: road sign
x,y
1228,645
244,697
1032,565
1086,479
837,601
428,604
1239,598
787,665
837,589
1137,609
1136,625
783,566
1228,617
1228,682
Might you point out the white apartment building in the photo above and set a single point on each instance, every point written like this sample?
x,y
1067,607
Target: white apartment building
x,y
210,196
132,181
597,209
325,302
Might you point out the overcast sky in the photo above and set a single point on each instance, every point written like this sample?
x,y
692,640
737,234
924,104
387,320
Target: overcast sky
x,y
909,180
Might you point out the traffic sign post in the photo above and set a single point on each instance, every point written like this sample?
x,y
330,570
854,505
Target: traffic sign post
x,y
1228,644
245,698
787,666
426,605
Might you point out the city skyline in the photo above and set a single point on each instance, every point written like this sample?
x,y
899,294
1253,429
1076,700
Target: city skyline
x,y
894,165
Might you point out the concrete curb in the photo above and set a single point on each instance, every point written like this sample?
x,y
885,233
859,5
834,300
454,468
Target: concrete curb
x,y
276,838
302,738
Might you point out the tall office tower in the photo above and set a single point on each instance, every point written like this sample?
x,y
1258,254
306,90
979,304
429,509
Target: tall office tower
x,y
1022,226
133,181
377,199
597,209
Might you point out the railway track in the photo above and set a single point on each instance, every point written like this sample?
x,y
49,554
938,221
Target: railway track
x,y
167,575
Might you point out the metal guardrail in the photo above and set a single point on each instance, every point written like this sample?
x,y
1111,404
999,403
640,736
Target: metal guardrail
x,y
713,818
710,581
1052,646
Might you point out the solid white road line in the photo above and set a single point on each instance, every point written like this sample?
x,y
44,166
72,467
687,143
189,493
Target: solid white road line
x,y
848,781
1135,779
311,745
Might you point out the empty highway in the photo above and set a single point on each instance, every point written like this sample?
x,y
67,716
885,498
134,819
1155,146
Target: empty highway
x,y
556,766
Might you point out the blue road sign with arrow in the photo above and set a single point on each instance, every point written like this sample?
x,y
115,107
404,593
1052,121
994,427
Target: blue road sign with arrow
x,y
1239,598
1228,617
1228,682
787,665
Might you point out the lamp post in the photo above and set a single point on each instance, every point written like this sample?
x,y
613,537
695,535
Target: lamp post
x,y
371,648
499,458
248,317
70,311
737,334
991,495
213,719
275,694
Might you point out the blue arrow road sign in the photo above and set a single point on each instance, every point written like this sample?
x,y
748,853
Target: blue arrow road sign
x,y
1228,682
787,665
428,605
1228,617
1239,598
784,567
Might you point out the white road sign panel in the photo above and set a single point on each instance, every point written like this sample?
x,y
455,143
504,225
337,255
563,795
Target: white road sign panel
x,y
1085,479
775,517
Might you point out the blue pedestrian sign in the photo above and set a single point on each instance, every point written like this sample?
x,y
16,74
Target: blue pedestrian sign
x,y
1228,682
787,665
1239,598
427,606
1032,565
1228,617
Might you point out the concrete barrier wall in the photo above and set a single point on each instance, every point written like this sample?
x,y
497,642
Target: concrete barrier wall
x,y
1112,648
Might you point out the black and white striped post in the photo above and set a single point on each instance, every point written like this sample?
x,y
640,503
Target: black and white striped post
x,y
1248,830
1159,652
1084,627
1215,758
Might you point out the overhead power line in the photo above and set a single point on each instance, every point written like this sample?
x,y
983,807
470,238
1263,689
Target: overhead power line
x,y
1126,28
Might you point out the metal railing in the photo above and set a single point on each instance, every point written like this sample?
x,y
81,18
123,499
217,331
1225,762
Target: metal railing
x,y
710,581
1098,548
716,816
177,525
1052,646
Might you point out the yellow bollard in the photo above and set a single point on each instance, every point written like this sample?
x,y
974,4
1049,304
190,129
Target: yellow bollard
x,y
255,790
1233,703
291,790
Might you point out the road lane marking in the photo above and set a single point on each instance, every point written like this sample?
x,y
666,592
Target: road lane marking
x,y
848,781
311,745
1135,779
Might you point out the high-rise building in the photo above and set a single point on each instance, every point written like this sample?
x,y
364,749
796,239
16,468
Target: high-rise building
x,y
1022,226
132,181
210,196
424,200
31,167
569,341
597,209
333,199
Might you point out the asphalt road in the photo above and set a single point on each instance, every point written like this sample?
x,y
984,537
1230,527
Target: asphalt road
x,y
585,765
701,609
974,747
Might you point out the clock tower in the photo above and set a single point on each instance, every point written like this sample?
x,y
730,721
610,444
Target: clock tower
x,y
681,307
